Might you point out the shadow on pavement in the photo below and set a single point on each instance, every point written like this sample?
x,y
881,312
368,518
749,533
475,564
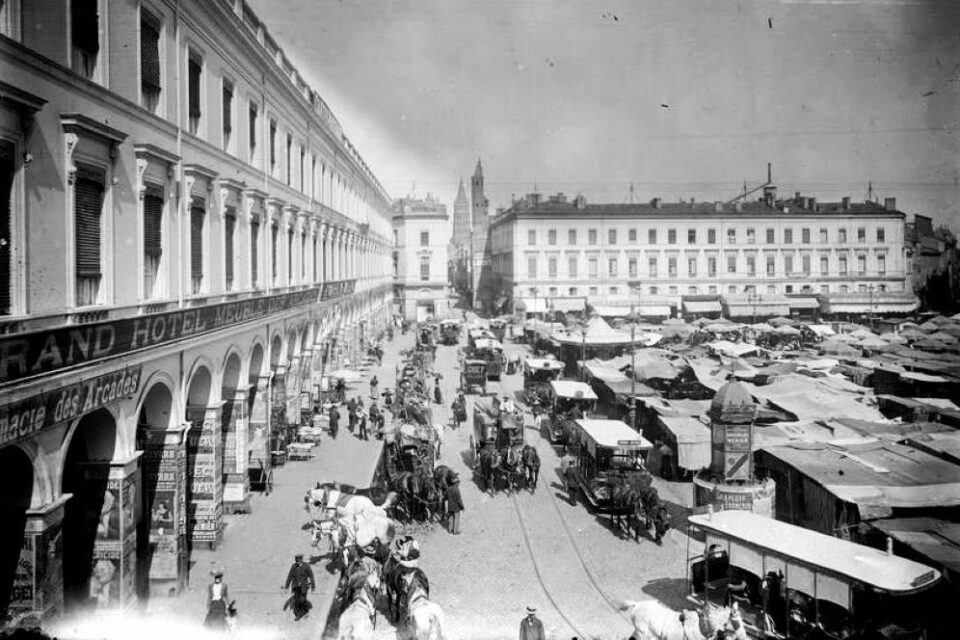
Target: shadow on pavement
x,y
669,591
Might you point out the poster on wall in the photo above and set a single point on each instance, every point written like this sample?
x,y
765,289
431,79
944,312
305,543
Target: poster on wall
x,y
163,551
105,579
205,508
22,597
108,523
128,509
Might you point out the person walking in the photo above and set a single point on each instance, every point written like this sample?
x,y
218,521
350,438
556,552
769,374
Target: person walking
x,y
334,422
458,408
666,461
437,396
454,506
374,383
217,597
299,581
362,425
530,627
376,420
352,416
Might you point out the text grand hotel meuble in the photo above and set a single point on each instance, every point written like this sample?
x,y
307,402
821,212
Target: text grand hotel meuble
x,y
43,352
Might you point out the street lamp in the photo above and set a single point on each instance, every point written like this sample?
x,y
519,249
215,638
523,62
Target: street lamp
x,y
634,317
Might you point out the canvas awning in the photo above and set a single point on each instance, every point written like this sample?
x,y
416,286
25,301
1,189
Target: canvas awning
x,y
803,303
692,438
567,304
701,306
760,309
655,310
611,312
533,305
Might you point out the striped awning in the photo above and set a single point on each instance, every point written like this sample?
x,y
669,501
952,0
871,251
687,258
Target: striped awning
x,y
803,303
701,306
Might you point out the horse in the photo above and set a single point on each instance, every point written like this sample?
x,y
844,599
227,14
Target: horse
x,y
424,616
489,463
652,620
368,531
357,620
649,511
531,466
399,576
623,500
511,467
442,477
432,498
327,499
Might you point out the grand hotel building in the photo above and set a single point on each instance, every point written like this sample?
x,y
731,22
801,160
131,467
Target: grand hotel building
x,y
758,258
187,239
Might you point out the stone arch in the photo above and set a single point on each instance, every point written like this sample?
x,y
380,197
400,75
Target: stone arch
x,y
204,368
16,496
291,345
276,352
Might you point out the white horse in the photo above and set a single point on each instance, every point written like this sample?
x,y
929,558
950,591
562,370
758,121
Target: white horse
x,y
326,500
424,616
365,528
655,621
356,621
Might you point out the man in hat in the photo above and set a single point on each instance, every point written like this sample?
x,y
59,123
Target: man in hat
x,y
454,506
374,383
299,580
530,627
334,421
217,597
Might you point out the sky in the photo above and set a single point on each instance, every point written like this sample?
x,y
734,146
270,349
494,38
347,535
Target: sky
x,y
681,98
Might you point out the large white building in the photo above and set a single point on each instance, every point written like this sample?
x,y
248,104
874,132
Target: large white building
x,y
558,253
187,240
421,231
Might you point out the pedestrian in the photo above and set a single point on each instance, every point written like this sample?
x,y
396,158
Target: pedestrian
x,y
217,595
299,581
666,461
375,419
362,426
374,383
388,399
341,389
334,421
437,396
352,417
454,506
530,627
567,471
457,408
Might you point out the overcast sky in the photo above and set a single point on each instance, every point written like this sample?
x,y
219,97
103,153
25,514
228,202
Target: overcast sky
x,y
685,98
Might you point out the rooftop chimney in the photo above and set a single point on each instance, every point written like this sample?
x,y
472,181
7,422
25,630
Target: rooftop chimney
x,y
812,203
718,206
657,203
693,200
738,206
580,202
845,203
769,195
796,196
890,204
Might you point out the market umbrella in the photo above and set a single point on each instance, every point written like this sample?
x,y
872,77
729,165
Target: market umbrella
x,y
719,327
943,337
786,330
940,320
908,325
928,344
860,334
702,322
763,327
913,334
843,337
722,320
781,321
872,342
952,329
930,326
893,338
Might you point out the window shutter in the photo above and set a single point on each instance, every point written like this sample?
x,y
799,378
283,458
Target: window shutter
x,y
229,225
87,209
227,109
289,254
197,214
149,57
275,233
85,23
6,192
193,71
254,240
152,223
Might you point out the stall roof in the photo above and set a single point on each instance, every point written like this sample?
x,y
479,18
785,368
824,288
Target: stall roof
x,y
544,363
735,349
567,304
936,540
702,306
803,303
573,389
861,563
628,388
608,311
613,434
809,399
598,333
875,474
944,445
534,305
655,310
686,429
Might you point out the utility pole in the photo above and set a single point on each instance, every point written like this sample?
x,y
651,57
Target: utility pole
x,y
631,192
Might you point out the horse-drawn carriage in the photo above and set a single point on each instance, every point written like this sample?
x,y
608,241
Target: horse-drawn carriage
x,y
567,400
491,351
473,374
409,456
499,453
538,373
498,327
450,331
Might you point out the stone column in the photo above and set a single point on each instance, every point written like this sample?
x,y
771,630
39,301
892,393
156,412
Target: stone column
x,y
235,447
164,566
307,367
38,581
205,471
293,390
258,423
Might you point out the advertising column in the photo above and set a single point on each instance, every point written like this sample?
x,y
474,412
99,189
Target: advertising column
x,y
235,445
38,581
205,473
165,471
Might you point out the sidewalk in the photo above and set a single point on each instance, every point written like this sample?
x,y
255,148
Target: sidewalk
x,y
258,548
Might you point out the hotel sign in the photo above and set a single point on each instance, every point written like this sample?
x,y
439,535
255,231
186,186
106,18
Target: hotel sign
x,y
23,420
32,354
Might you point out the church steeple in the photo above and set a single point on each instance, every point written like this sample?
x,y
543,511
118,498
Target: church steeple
x,y
461,195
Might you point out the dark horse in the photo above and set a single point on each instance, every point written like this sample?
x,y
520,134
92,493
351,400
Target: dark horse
x,y
400,582
443,477
489,467
650,511
511,467
531,466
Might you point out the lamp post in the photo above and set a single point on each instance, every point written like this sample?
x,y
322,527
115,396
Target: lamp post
x,y
634,318
583,338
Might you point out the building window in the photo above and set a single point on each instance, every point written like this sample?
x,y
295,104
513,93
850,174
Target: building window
x,y
424,238
654,291
824,265
712,289
229,231
788,264
711,267
7,173
611,236
711,236
731,236
842,236
88,194
614,291
252,131
805,263
532,237
672,267
824,288
572,291
632,267
593,291
592,267
862,288
572,267
290,256
613,267
273,148
751,266
732,289
198,214
788,236
824,238
152,241
732,263
652,267
771,236
552,237
227,115
692,267
881,234
10,19
632,236
692,291
303,169
805,236
881,264
254,251
861,234
274,250
673,290
844,288
85,34
842,263
425,269
552,291
313,176
288,160
691,236
149,62
751,235
572,236
771,266
316,259
671,236
552,267
531,267
861,265
194,100
652,236
592,236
